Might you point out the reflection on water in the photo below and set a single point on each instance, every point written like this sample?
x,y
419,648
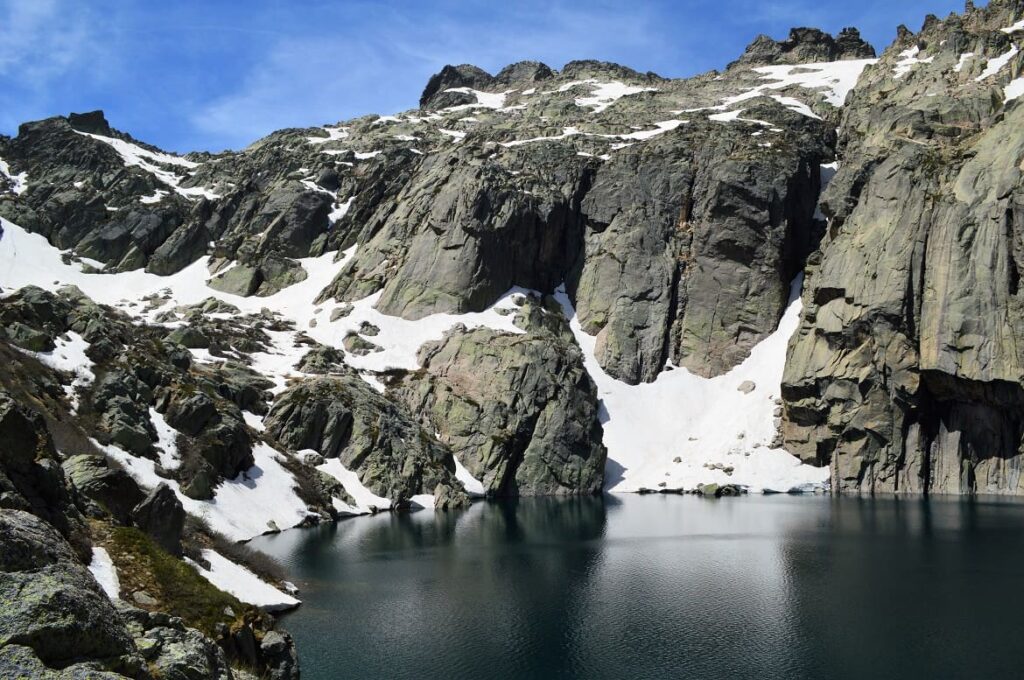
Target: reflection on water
x,y
636,587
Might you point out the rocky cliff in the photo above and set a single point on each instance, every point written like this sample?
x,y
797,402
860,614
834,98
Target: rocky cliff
x,y
905,375
302,274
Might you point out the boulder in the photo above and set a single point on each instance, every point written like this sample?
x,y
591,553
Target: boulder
x,y
322,360
162,516
122,402
344,417
112,488
185,654
31,479
278,654
51,603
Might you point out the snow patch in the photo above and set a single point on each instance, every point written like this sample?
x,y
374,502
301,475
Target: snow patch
x,y
366,500
313,186
19,182
996,64
659,128
796,105
157,196
340,210
259,500
333,135
1019,26
400,339
485,100
103,570
1014,90
908,60
734,115
254,421
151,162
238,581
604,95
68,356
472,485
423,501
167,441
964,58
566,132
834,79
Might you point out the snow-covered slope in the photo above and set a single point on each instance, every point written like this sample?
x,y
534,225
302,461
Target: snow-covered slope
x,y
682,430
707,424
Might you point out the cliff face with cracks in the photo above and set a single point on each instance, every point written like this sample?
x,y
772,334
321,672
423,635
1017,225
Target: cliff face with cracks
x,y
905,375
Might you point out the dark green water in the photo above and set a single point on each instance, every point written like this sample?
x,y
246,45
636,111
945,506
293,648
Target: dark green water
x,y
643,587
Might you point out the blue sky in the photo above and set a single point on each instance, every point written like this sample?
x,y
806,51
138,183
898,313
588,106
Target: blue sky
x,y
214,74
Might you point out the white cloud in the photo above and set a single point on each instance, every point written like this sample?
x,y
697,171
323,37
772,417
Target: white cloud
x,y
380,66
43,39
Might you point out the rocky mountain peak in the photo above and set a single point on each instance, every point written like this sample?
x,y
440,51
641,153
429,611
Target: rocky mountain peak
x,y
591,68
805,45
93,122
446,87
463,75
524,71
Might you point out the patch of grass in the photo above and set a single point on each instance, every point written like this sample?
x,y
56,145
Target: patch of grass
x,y
180,590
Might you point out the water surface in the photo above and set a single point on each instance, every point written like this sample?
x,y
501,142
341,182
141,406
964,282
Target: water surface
x,y
663,586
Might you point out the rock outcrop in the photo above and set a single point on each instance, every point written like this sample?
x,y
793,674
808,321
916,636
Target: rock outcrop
x,y
519,411
31,477
344,417
806,45
161,515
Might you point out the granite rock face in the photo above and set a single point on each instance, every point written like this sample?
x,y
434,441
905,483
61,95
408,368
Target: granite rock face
x,y
343,417
723,226
533,177
31,477
519,411
674,214
905,375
